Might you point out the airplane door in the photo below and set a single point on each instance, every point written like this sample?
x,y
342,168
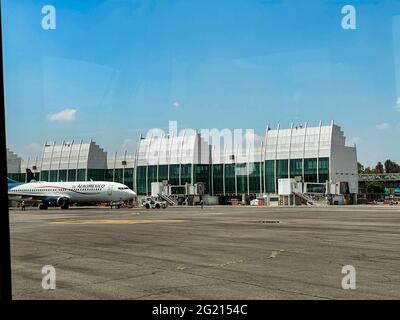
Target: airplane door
x,y
109,190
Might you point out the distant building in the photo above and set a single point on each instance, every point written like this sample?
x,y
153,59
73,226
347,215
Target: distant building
x,y
14,163
389,181
178,160
72,161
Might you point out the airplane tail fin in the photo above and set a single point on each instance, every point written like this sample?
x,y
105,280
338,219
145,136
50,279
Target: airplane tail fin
x,y
30,177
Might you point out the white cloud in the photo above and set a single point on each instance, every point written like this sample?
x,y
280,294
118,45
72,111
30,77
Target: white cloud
x,y
64,115
176,104
382,126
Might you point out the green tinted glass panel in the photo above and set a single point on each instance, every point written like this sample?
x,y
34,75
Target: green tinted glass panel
x,y
282,169
19,177
151,176
270,176
109,175
316,188
96,174
241,177
128,177
62,175
53,175
141,180
81,174
254,177
296,167
201,173
174,174
323,169
72,175
118,175
162,173
218,181
230,178
186,173
310,170
44,175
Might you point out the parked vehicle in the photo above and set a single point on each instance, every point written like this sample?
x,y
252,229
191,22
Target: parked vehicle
x,y
154,204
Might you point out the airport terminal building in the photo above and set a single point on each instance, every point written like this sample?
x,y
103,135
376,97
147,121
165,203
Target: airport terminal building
x,y
73,161
315,156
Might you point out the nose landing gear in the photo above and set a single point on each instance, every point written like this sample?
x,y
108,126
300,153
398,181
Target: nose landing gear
x,y
43,206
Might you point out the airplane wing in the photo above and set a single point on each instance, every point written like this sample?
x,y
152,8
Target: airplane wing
x,y
28,197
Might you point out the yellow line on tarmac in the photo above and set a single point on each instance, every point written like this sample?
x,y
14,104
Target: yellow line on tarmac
x,y
114,221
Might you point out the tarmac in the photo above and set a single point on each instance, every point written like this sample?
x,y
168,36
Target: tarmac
x,y
212,253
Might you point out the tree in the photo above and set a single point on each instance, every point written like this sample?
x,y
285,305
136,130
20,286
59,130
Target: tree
x,y
368,170
360,167
379,167
374,187
391,167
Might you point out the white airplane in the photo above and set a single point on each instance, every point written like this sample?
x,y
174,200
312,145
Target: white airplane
x,y
62,194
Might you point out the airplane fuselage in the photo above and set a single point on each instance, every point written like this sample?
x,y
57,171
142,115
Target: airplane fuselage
x,y
59,193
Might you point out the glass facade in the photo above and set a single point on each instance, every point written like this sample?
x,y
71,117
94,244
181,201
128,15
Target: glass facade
x,y
230,187
96,174
186,174
323,169
310,170
53,175
316,188
178,175
201,173
255,182
241,178
62,175
71,175
162,172
218,178
141,184
296,168
44,175
109,175
81,175
19,177
128,177
282,169
270,176
174,174
151,176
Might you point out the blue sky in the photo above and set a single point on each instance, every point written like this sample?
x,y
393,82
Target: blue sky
x,y
114,69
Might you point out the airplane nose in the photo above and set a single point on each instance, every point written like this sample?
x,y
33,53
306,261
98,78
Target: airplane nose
x,y
130,194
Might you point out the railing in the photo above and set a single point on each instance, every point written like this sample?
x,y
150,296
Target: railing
x,y
307,199
379,176
168,199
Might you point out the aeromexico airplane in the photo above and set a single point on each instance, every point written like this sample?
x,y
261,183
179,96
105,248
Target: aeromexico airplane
x,y
62,194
